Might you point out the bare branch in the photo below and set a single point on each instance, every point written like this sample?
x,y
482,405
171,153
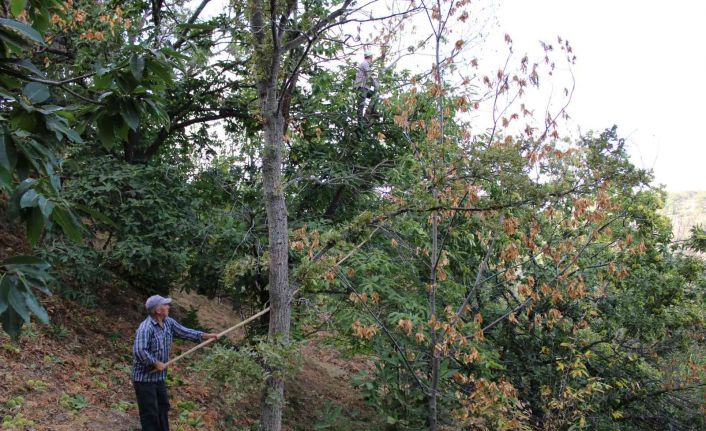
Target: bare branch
x,y
481,268
194,16
316,30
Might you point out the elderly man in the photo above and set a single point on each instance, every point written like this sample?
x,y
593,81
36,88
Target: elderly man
x,y
153,341
364,84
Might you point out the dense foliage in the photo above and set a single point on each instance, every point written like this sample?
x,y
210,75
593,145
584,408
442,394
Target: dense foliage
x,y
507,279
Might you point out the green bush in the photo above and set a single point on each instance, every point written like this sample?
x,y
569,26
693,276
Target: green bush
x,y
242,370
37,385
122,406
74,402
15,402
16,422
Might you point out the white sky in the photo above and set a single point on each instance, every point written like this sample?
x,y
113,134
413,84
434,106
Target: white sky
x,y
640,65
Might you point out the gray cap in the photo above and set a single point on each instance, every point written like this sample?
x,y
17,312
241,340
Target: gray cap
x,y
367,54
154,301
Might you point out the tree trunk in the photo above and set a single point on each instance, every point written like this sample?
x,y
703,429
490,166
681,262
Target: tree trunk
x,y
434,365
268,23
280,293
435,356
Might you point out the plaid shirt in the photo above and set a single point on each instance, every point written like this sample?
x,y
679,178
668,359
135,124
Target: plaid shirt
x,y
362,75
153,343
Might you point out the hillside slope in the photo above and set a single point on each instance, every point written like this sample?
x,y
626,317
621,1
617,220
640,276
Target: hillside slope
x,y
685,209
75,375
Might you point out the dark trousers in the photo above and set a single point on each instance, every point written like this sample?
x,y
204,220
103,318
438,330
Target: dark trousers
x,y
363,94
153,403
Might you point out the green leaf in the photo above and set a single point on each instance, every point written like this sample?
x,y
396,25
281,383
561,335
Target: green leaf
x,y
126,82
29,199
46,207
17,6
63,114
55,182
170,52
68,224
4,290
13,41
56,124
35,225
9,83
121,130
100,69
23,29
5,95
130,116
26,121
5,179
36,273
105,131
50,109
16,299
40,18
46,155
160,113
25,260
27,65
36,308
8,153
97,215
36,92
103,81
137,66
160,70
11,323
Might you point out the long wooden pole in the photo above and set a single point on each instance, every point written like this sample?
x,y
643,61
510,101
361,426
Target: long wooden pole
x,y
207,342
253,317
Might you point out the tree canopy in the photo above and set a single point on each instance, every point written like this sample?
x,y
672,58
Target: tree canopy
x,y
501,277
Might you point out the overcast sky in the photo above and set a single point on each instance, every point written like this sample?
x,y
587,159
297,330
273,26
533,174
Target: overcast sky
x,y
641,65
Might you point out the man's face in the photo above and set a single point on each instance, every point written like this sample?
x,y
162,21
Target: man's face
x,y
162,310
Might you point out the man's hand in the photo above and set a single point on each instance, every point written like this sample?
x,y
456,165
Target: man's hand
x,y
209,336
160,366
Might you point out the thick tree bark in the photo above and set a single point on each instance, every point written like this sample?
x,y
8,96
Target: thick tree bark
x,y
273,135
280,293
277,225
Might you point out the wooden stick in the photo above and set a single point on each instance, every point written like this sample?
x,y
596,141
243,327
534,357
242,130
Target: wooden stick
x,y
357,247
253,317
207,342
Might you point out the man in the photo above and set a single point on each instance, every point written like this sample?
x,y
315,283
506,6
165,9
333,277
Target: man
x,y
153,341
364,84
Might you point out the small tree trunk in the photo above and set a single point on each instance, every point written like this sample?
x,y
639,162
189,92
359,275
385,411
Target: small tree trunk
x,y
435,356
434,366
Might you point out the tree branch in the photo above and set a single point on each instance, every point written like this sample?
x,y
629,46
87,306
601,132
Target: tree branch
x,y
222,114
314,32
194,16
